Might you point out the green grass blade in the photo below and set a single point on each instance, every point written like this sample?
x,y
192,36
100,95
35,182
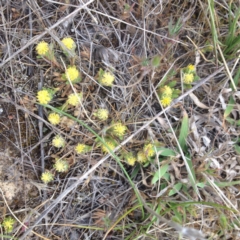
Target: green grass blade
x,y
184,132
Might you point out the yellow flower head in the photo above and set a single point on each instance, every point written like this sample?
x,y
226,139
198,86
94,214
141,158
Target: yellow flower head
x,y
191,68
69,43
110,144
73,99
44,97
81,148
166,91
58,141
47,177
149,151
166,101
42,48
61,165
7,224
72,74
130,159
102,114
141,157
188,78
119,129
107,79
54,118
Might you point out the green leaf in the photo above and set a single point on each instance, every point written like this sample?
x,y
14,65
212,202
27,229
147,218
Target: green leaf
x,y
160,173
237,149
176,189
166,152
184,132
172,84
201,185
156,61
229,107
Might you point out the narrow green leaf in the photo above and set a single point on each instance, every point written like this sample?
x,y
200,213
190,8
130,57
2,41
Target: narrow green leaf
x,y
184,132
159,174
229,107
166,152
156,61
176,188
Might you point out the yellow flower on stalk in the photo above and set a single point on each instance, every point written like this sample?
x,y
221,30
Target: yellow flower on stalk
x,y
110,145
149,151
119,130
44,96
81,148
69,43
7,224
54,118
58,141
47,177
188,78
191,68
165,101
72,74
166,91
102,114
107,79
42,48
74,99
141,157
61,165
130,159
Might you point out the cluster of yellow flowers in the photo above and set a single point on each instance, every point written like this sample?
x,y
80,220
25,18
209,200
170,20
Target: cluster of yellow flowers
x,y
165,94
189,74
8,224
47,177
143,155
74,99
101,114
61,165
58,141
44,96
82,148
118,129
111,145
105,78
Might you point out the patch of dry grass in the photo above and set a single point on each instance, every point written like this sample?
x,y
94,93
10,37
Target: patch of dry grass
x,y
190,184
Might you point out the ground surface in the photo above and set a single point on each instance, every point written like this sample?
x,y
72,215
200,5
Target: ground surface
x,y
189,187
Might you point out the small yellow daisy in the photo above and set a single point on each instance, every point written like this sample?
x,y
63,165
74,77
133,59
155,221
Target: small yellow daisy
x,y
166,101
58,141
119,129
149,150
73,99
81,148
188,78
7,224
44,97
61,165
69,43
191,68
47,177
72,74
102,114
107,79
110,144
141,157
131,159
54,118
166,91
42,48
